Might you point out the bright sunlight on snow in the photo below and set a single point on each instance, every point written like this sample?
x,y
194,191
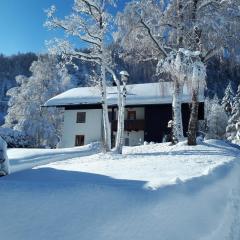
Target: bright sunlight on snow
x,y
155,191
156,164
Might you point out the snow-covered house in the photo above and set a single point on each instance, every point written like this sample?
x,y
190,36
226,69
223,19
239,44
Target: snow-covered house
x,y
148,111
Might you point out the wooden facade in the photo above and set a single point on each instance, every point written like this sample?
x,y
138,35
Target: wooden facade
x,y
155,122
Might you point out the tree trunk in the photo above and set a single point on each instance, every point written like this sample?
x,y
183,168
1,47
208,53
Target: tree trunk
x,y
193,122
106,124
177,113
120,131
119,125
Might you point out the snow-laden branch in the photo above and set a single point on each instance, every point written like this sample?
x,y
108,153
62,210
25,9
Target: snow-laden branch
x,y
207,3
211,53
159,46
65,49
72,27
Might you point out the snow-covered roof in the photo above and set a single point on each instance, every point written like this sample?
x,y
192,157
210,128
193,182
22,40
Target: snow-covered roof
x,y
138,94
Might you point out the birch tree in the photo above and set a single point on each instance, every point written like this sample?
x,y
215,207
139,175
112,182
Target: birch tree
x,y
121,112
161,27
91,24
174,66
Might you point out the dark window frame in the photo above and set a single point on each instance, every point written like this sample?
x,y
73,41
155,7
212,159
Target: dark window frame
x,y
134,115
81,117
79,140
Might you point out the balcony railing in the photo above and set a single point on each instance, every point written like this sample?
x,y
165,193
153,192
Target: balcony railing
x,y
130,125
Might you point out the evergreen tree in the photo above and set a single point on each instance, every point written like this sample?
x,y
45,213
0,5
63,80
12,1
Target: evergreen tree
x,y
231,130
228,99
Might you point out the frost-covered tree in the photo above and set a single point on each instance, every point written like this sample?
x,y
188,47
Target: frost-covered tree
x,y
153,29
177,67
216,119
228,99
91,24
233,122
40,125
121,112
10,67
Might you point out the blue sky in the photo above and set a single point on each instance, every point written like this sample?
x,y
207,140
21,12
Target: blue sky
x,y
21,24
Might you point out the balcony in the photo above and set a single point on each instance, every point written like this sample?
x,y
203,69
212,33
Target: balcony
x,y
130,125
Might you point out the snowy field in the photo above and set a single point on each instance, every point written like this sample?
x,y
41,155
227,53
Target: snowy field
x,y
152,192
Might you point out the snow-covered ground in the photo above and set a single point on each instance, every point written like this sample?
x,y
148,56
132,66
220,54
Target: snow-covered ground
x,y
151,192
26,158
157,165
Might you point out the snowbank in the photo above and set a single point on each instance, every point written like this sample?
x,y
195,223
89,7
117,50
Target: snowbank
x,y
69,201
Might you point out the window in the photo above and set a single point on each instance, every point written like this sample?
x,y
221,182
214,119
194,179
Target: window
x,y
131,115
81,117
79,140
126,142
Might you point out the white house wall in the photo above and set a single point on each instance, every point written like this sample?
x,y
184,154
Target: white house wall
x,y
91,129
140,113
135,137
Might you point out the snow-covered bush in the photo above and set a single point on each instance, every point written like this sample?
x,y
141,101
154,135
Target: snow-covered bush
x,y
25,114
15,138
217,119
4,163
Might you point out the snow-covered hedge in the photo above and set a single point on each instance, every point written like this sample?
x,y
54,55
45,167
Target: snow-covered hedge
x,y
15,138
4,164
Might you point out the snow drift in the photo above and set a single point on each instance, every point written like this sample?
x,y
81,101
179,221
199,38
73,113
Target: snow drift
x,y
51,202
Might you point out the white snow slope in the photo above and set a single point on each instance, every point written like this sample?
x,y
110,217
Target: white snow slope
x,y
153,192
